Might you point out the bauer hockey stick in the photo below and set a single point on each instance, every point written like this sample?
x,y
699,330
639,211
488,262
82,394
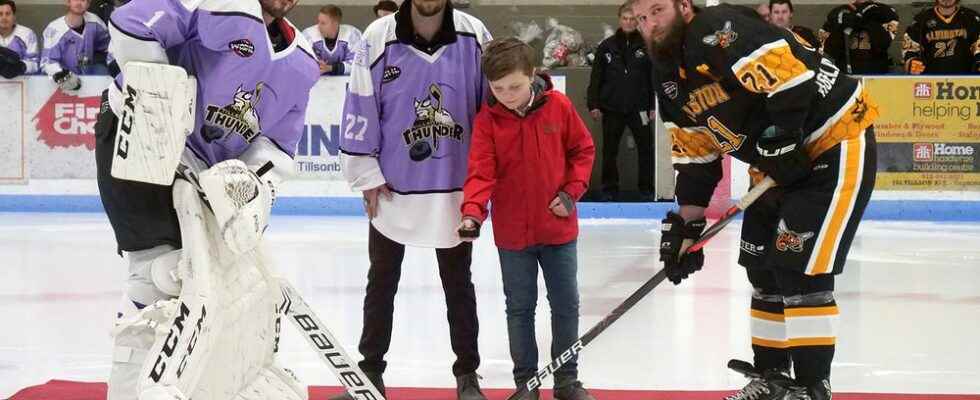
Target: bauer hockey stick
x,y
326,345
639,294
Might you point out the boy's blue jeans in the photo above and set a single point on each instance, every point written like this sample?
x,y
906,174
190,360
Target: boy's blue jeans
x,y
559,263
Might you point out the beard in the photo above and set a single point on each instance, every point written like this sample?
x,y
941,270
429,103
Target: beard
x,y
277,8
670,45
429,8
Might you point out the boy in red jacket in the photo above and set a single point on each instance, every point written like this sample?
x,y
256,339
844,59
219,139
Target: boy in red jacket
x,y
531,156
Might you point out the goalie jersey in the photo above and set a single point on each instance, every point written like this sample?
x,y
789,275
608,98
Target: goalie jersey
x,y
946,45
246,87
738,76
408,119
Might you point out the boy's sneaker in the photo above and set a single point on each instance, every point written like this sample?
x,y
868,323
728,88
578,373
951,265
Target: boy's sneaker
x,y
573,391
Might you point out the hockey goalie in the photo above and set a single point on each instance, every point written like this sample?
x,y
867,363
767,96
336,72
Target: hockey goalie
x,y
215,92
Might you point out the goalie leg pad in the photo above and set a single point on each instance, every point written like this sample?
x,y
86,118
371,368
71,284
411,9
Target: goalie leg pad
x,y
241,202
274,382
158,114
134,334
153,274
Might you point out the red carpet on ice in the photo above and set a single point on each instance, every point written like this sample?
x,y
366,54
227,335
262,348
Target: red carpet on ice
x,y
68,390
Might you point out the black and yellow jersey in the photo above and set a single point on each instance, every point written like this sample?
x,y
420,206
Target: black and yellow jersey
x,y
738,75
873,27
946,45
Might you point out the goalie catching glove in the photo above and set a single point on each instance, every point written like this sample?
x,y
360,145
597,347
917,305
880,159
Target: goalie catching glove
x,y
242,191
241,203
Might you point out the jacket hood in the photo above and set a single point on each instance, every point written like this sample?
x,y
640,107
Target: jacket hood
x,y
540,86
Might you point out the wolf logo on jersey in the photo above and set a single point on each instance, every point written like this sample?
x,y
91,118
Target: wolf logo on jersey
x,y
432,122
238,117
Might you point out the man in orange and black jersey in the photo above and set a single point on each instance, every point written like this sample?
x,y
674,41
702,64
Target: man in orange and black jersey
x,y
868,28
729,83
944,39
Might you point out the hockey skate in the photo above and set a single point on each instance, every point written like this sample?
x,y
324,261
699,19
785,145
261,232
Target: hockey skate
x,y
764,385
818,391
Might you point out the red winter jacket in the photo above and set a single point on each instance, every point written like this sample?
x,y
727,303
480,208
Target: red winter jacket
x,y
521,163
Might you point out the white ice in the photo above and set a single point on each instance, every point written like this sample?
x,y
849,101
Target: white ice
x,y
910,303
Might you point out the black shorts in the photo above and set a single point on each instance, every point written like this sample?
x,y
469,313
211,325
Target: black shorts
x,y
809,227
142,214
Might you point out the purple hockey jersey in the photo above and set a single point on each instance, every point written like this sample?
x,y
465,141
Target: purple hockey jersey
x,y
407,121
23,41
341,53
245,87
66,49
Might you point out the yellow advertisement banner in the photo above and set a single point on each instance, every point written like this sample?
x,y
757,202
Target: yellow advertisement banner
x,y
928,132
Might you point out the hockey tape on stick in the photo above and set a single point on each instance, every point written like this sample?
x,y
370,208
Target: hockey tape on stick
x,y
326,345
536,381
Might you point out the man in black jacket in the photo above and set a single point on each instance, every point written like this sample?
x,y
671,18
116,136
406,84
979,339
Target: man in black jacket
x,y
620,93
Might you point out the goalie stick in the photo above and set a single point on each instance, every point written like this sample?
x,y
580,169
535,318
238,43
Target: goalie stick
x,y
536,381
326,345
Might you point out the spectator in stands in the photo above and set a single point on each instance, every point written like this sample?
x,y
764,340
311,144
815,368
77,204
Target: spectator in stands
x,y
621,94
18,44
868,28
385,7
944,39
781,15
333,42
763,10
75,44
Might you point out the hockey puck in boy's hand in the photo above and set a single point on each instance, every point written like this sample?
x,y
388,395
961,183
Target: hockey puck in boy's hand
x,y
469,233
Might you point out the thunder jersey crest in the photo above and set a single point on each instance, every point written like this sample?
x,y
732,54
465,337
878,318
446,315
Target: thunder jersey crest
x,y
238,117
432,123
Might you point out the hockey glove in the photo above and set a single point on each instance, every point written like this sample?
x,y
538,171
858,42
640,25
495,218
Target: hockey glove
x,y
11,65
673,233
781,156
67,81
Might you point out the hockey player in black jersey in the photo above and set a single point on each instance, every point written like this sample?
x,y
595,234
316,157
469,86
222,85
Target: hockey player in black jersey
x,y
868,29
729,83
944,39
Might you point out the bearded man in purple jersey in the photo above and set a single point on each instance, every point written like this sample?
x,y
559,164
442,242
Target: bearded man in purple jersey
x,y
416,85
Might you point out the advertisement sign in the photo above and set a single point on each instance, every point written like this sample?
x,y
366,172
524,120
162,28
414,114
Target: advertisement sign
x,y
928,133
61,128
57,129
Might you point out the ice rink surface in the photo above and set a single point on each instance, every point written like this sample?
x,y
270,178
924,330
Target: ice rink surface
x,y
909,299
